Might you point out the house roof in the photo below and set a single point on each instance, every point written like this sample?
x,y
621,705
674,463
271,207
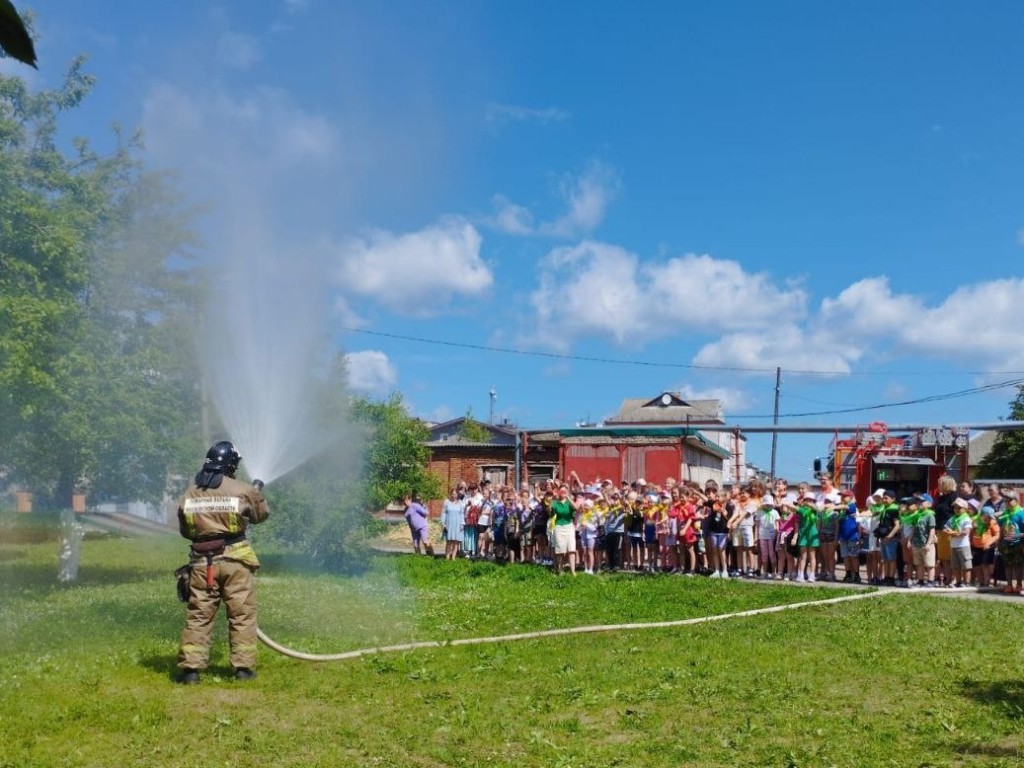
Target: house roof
x,y
667,408
448,434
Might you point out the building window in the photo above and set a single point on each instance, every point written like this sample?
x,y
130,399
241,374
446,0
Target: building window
x,y
498,475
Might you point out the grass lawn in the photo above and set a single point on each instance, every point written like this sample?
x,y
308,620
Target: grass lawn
x,y
901,680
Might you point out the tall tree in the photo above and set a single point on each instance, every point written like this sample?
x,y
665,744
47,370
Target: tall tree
x,y
98,388
1006,459
397,458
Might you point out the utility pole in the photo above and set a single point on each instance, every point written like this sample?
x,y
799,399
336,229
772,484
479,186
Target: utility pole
x,y
775,421
494,396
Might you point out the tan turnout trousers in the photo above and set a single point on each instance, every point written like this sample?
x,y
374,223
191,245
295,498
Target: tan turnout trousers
x,y
232,584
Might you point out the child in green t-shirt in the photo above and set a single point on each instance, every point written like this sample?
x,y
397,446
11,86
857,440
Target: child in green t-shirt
x,y
807,538
922,543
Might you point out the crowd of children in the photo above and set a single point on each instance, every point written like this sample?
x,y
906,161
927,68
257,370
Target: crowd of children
x,y
957,539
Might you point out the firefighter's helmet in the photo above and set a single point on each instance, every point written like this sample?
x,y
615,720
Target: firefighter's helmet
x,y
222,458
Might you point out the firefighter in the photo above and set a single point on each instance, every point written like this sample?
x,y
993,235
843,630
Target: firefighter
x,y
213,514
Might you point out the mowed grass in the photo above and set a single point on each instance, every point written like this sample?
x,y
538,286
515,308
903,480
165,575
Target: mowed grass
x,y
901,680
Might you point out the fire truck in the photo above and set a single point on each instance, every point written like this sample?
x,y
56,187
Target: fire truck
x,y
906,463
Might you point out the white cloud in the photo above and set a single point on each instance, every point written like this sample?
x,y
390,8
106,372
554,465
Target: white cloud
x,y
586,198
869,308
589,290
699,291
977,324
238,50
509,113
982,322
371,372
510,218
417,273
597,289
731,399
788,346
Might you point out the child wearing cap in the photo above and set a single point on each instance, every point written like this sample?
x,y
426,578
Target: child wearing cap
x,y
922,543
958,531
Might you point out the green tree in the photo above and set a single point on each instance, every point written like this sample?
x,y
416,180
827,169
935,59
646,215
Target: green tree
x,y
97,386
1006,459
396,457
473,431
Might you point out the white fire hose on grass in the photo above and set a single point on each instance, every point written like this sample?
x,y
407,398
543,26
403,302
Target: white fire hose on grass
x,y
348,655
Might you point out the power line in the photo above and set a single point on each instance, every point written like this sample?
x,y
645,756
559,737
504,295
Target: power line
x,y
652,363
880,406
562,356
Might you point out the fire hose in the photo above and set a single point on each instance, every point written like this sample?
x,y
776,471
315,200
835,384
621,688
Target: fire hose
x,y
349,655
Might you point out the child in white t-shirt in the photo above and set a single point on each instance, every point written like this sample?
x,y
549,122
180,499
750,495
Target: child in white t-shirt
x,y
958,529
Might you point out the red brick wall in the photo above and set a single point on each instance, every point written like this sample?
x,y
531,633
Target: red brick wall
x,y
453,465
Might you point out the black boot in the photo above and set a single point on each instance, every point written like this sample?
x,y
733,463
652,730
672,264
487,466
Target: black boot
x,y
244,673
188,677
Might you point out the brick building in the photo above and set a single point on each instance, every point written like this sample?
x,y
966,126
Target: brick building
x,y
506,454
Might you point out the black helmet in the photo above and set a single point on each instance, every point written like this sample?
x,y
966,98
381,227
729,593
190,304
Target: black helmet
x,y
222,458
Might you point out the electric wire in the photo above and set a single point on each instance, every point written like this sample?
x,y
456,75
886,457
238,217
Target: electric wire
x,y
618,361
880,406
653,363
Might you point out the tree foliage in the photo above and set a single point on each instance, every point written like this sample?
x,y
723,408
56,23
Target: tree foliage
x,y
473,431
323,509
96,376
396,459
1006,459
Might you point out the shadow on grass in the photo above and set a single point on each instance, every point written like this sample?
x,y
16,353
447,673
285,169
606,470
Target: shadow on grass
x,y
39,579
993,751
1004,696
162,664
166,665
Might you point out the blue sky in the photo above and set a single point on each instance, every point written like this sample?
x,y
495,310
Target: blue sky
x,y
833,188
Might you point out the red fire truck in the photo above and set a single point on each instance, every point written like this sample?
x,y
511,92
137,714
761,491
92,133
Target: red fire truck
x,y
873,458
